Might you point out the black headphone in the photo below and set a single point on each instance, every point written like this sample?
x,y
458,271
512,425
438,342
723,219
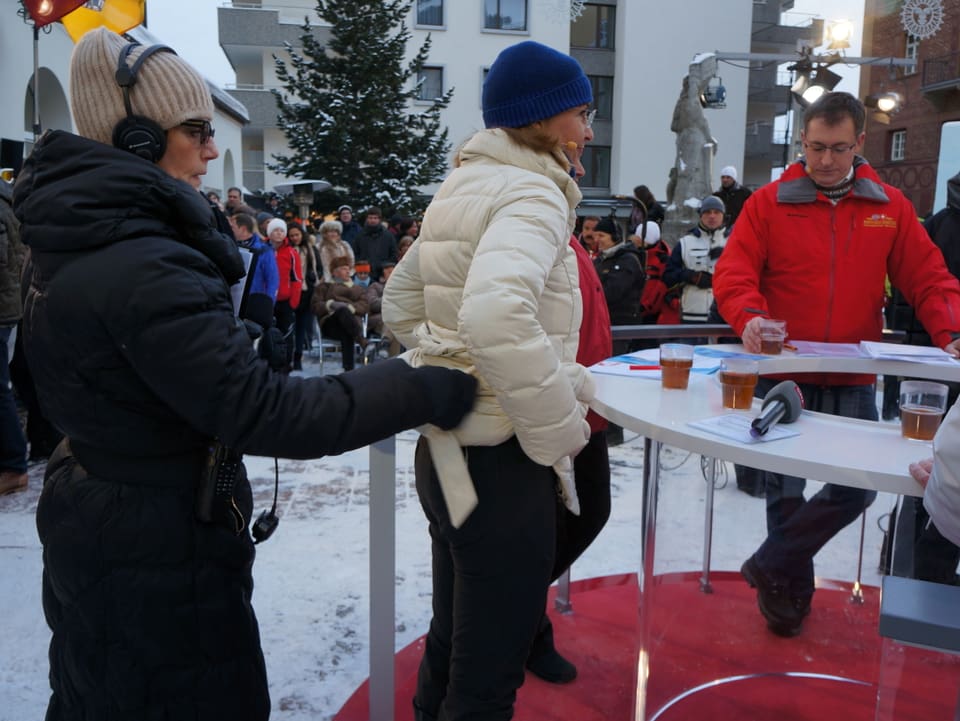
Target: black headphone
x,y
136,134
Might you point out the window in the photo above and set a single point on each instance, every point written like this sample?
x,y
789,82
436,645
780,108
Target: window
x,y
595,28
430,12
596,161
430,79
602,95
898,145
505,14
910,51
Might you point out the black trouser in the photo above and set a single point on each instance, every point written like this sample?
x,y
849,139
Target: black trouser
x,y
284,314
591,470
303,323
921,551
490,579
343,326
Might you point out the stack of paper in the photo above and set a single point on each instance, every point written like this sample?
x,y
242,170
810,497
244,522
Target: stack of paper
x,y
904,352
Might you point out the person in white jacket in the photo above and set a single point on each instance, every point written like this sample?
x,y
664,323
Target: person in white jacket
x,y
490,286
940,476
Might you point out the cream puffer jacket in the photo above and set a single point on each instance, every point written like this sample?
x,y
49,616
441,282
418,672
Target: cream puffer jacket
x,y
491,287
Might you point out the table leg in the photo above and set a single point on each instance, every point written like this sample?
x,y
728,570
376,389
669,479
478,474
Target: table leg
x,y
648,518
708,525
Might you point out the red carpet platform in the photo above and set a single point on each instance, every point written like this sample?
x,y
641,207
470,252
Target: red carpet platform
x,y
711,657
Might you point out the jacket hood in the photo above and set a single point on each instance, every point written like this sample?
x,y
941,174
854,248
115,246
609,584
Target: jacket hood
x,y
76,194
953,192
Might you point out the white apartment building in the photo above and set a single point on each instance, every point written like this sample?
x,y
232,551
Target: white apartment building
x,y
55,47
635,51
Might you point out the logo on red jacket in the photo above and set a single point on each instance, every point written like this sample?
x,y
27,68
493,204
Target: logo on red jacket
x,y
879,220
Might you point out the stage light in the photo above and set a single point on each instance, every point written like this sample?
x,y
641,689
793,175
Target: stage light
x,y
44,12
715,94
838,34
820,81
884,105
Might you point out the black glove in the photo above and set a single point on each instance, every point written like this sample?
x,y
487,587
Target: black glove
x,y
451,394
715,252
703,279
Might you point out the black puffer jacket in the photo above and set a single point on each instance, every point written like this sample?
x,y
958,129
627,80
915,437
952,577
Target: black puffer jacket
x,y
11,260
137,357
621,273
944,230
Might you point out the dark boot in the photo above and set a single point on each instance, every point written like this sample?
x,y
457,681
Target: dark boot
x,y
298,361
544,661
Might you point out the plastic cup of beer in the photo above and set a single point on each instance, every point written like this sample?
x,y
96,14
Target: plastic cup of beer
x,y
738,379
676,359
772,334
922,405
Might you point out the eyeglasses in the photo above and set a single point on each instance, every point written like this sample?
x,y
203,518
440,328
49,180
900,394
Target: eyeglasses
x,y
820,148
588,115
202,130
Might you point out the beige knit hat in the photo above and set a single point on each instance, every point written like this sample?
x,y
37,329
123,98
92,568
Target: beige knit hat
x,y
168,90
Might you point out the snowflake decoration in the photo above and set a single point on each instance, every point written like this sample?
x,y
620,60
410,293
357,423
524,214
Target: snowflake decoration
x,y
563,10
922,18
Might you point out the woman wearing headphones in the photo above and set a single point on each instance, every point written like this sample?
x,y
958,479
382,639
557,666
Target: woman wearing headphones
x,y
139,359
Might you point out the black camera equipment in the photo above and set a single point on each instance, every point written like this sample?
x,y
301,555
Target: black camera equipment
x,y
215,501
268,521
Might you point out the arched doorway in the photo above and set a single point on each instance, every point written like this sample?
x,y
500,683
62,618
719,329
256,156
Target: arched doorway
x,y
54,108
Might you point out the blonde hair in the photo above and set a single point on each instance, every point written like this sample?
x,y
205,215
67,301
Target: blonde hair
x,y
535,138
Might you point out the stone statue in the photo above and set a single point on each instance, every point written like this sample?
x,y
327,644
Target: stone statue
x,y
693,169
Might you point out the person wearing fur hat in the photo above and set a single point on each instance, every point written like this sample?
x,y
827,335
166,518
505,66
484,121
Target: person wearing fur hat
x,y
693,259
491,286
732,194
332,245
339,306
139,359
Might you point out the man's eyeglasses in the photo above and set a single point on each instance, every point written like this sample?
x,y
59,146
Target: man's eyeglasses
x,y
588,116
820,148
202,130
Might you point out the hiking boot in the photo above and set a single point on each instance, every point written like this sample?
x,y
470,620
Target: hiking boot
x,y
12,481
544,661
783,611
552,667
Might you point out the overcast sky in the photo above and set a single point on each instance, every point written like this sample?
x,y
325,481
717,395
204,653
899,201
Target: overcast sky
x,y
191,27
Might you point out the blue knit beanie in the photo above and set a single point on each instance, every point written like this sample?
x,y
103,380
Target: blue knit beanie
x,y
529,82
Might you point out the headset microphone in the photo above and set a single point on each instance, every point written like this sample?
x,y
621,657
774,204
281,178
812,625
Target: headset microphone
x,y
781,405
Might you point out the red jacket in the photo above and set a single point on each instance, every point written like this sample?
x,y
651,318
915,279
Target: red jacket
x,y
291,277
596,339
821,267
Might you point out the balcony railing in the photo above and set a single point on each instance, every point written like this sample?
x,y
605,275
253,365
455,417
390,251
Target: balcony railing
x,y
941,72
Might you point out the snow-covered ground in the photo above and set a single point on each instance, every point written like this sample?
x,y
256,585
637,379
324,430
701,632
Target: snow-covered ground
x,y
311,591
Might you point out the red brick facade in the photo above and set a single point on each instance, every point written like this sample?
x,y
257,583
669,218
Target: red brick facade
x,y
931,97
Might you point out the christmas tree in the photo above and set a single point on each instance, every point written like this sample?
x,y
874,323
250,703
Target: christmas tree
x,y
347,108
